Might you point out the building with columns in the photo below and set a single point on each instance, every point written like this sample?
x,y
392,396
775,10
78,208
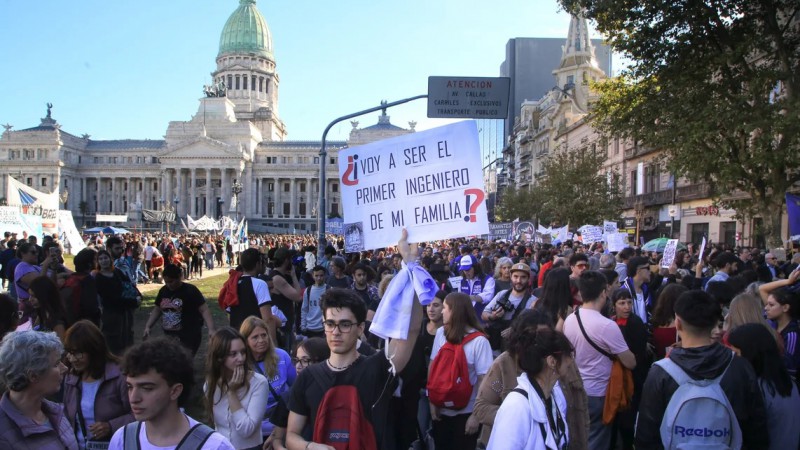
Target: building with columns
x,y
236,135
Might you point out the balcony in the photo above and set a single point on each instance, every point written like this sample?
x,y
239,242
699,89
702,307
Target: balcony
x,y
693,192
636,151
650,199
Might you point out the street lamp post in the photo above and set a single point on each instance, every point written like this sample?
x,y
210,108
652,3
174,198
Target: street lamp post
x,y
638,210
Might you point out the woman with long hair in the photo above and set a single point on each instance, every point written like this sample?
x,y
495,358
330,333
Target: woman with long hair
x,y
663,319
502,274
458,429
95,390
744,309
307,352
235,395
556,298
48,313
271,362
783,309
782,400
533,417
117,318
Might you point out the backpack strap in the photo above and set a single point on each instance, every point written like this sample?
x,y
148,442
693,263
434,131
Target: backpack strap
x,y
195,438
521,306
130,436
470,337
588,339
524,393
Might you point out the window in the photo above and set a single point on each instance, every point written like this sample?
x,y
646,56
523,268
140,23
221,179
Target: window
x,y
286,159
286,209
237,82
634,180
244,82
271,187
651,178
29,181
44,182
285,187
335,187
155,185
728,233
302,187
316,160
272,159
332,161
97,160
335,208
271,208
697,231
302,209
230,81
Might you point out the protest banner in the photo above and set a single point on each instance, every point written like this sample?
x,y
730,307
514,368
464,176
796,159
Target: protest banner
x,y
669,253
500,230
35,203
455,282
702,249
591,234
523,231
70,236
609,227
617,241
333,226
429,182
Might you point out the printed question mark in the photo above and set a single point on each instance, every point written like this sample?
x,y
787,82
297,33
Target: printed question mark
x,y
473,208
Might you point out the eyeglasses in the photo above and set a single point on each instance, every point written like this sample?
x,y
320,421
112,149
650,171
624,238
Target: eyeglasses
x,y
304,362
344,326
74,354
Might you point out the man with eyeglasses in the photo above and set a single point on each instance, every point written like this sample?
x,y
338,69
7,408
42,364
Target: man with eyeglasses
x,y
345,314
638,283
770,269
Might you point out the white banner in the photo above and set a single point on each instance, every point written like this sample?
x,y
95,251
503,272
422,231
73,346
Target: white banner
x,y
70,237
609,227
617,241
429,182
36,203
591,234
111,218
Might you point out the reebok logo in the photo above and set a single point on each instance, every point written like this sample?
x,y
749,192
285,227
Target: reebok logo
x,y
700,432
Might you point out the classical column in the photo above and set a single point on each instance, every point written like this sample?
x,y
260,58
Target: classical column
x,y
192,191
112,191
181,206
209,195
309,197
250,191
278,199
225,191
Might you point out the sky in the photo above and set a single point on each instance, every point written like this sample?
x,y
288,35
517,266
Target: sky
x,y
124,70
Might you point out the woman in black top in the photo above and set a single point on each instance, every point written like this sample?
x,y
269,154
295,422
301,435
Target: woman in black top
x,y
117,307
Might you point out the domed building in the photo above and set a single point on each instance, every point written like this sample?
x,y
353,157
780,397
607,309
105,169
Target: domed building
x,y
236,137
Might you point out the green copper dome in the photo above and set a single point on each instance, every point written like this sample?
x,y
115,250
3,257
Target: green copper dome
x,y
246,32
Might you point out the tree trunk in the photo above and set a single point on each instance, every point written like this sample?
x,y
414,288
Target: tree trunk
x,y
772,213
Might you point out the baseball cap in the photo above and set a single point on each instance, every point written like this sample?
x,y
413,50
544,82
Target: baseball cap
x,y
465,263
521,267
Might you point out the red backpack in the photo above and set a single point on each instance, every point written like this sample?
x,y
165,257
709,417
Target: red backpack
x,y
340,421
448,382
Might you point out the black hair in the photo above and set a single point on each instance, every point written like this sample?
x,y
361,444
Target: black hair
x,y
556,297
610,274
167,357
249,259
316,347
172,271
634,263
619,294
757,345
85,259
578,257
625,253
786,297
721,291
698,310
112,241
8,314
24,247
591,284
724,259
536,344
528,319
344,298
319,268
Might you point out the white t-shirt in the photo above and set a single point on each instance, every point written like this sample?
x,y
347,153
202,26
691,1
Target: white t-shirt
x,y
261,291
479,360
148,252
215,442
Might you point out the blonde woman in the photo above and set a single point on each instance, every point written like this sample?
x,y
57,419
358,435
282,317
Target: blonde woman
x,y
235,395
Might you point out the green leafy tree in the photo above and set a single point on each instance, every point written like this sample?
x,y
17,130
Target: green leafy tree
x,y
714,84
515,204
573,191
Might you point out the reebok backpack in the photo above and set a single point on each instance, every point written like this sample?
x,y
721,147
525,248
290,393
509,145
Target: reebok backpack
x,y
448,382
340,421
699,415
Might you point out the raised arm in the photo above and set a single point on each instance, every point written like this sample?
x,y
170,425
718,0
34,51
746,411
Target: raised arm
x,y
400,350
765,289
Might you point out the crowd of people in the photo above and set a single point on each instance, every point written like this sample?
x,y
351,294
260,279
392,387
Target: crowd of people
x,y
498,345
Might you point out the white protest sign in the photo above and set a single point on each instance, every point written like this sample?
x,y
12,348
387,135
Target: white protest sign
x,y
702,249
429,182
617,241
66,226
610,227
669,253
591,234
455,282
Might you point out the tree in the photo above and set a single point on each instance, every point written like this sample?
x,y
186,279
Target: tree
x,y
714,84
573,191
515,204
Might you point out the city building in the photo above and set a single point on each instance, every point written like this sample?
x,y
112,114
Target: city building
x,y
236,137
